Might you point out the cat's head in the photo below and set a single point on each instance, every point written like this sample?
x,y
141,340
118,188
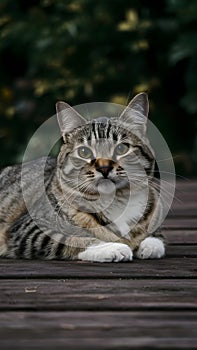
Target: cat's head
x,y
112,149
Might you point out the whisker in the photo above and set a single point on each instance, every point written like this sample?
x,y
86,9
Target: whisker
x,y
170,173
157,186
169,158
72,196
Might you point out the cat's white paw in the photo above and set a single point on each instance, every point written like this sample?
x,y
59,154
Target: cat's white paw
x,y
107,252
151,248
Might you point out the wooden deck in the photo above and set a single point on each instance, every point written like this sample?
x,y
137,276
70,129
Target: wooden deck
x,y
77,305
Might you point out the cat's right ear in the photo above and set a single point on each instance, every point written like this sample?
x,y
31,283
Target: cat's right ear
x,y
68,118
135,114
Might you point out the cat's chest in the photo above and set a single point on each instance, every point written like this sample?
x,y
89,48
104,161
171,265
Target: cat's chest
x,y
126,212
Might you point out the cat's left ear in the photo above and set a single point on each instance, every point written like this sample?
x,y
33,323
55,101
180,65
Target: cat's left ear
x,y
68,118
136,113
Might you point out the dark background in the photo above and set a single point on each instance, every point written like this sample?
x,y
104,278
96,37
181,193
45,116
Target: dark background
x,y
87,51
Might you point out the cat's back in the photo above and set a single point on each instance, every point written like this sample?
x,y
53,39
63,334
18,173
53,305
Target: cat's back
x,y
18,179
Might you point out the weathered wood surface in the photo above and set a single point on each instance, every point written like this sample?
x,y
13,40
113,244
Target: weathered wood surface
x,y
164,268
99,330
61,295
148,304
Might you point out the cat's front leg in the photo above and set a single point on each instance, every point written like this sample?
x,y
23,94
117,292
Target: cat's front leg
x,y
151,248
107,252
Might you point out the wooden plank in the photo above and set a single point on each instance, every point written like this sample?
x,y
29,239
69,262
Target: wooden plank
x,y
184,250
98,330
180,223
184,193
76,343
189,185
162,268
181,236
181,198
184,211
64,295
185,200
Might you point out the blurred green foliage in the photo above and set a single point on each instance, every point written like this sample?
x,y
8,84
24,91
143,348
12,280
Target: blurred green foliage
x,y
84,50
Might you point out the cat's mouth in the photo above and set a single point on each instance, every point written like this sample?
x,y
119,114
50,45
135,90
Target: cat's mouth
x,y
103,188
110,185
106,186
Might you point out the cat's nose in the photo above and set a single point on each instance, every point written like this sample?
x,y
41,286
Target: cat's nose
x,y
104,166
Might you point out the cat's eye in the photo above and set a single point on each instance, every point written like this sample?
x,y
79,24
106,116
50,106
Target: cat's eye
x,y
121,149
85,152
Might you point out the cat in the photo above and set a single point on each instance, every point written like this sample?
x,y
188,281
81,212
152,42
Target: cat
x,y
99,203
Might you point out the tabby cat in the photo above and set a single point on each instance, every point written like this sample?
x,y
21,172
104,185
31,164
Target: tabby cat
x,y
99,201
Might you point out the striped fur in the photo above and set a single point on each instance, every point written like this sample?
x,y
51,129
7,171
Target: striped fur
x,y
66,218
